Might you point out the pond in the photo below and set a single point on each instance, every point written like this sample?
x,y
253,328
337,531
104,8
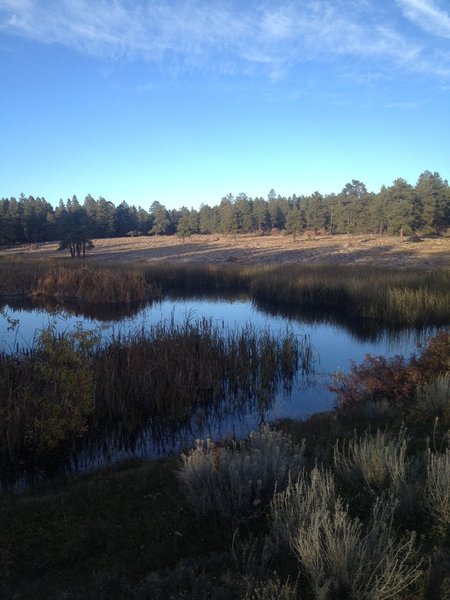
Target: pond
x,y
334,344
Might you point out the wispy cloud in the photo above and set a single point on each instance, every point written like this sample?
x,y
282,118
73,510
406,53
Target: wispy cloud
x,y
427,16
230,36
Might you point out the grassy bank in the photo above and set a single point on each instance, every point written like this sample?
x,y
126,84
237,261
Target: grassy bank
x,y
350,504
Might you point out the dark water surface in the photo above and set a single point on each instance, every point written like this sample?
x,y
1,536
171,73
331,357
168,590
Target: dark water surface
x,y
334,345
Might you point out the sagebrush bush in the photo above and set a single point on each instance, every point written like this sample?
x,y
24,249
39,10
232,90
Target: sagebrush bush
x,y
235,481
437,490
372,464
342,559
294,506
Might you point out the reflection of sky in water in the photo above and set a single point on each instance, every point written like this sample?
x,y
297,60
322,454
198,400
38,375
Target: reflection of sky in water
x,y
333,347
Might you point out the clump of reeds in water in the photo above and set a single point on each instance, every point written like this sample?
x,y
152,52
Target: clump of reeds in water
x,y
400,297
171,370
86,284
397,297
93,285
73,390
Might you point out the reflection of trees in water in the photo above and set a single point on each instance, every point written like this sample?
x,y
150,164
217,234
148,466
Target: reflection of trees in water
x,y
362,330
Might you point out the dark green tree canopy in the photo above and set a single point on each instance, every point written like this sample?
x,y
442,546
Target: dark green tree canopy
x,y
401,208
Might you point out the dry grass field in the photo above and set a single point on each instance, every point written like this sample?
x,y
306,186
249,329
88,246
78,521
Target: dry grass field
x,y
429,253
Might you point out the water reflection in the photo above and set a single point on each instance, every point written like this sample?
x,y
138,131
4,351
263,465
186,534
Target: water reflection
x,y
335,341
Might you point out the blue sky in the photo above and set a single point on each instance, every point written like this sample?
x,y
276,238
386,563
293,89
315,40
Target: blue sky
x,y
184,101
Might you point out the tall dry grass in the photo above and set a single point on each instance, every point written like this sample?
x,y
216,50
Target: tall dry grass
x,y
406,297
74,282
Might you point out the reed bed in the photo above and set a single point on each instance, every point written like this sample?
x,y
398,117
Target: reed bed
x,y
395,297
75,283
93,285
72,391
398,297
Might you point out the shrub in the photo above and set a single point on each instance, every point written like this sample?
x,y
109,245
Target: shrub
x,y
294,506
393,379
433,400
377,378
434,358
437,490
372,464
236,481
342,559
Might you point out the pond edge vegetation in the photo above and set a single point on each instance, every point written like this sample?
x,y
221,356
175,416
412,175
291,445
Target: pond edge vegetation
x,y
386,296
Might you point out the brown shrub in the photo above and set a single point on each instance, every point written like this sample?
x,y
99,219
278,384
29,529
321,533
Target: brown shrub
x,y
393,379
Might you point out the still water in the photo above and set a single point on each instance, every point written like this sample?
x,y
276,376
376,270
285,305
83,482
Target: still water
x,y
333,344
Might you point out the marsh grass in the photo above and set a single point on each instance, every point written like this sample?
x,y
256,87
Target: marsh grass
x,y
73,392
93,285
388,296
407,297
400,298
81,283
437,490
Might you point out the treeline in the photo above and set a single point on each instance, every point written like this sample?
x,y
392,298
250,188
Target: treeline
x,y
398,209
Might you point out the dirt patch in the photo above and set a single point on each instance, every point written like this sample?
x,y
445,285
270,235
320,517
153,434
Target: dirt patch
x,y
429,253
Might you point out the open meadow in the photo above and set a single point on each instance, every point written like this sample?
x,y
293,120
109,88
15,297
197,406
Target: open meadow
x,y
388,251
